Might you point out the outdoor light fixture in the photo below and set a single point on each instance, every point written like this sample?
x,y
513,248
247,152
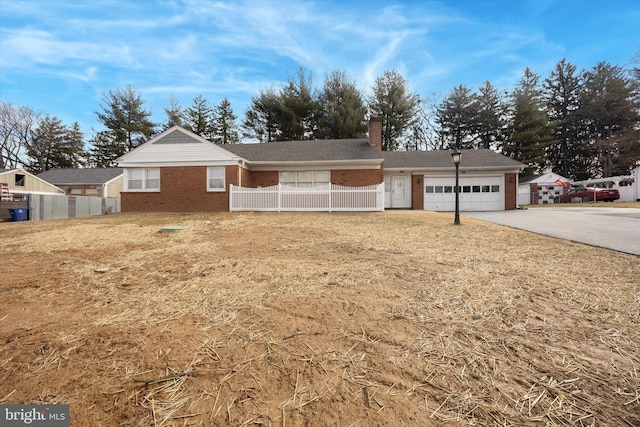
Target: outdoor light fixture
x,y
455,156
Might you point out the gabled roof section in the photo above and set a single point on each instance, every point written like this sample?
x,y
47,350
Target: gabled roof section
x,y
177,147
177,137
80,176
307,151
441,159
31,176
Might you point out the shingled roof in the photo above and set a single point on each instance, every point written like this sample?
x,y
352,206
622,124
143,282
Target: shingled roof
x,y
306,151
80,176
442,159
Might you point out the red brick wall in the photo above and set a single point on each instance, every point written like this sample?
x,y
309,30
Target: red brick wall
x,y
357,177
183,189
510,191
375,132
352,178
261,179
417,192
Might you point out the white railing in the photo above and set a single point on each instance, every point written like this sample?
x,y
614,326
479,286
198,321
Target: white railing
x,y
324,197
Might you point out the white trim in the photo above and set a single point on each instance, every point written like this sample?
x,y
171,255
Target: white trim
x,y
144,189
171,163
40,193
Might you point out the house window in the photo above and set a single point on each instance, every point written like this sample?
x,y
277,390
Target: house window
x,y
305,179
152,179
143,179
216,179
19,182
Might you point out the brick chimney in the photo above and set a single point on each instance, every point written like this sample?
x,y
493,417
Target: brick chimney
x,y
375,132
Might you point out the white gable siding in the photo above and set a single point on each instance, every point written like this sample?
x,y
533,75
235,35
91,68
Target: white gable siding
x,y
190,151
179,155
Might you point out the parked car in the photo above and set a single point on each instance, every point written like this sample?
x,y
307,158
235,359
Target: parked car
x,y
582,194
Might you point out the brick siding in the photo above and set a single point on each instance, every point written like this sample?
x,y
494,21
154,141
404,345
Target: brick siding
x,y
510,191
357,177
260,178
183,189
417,192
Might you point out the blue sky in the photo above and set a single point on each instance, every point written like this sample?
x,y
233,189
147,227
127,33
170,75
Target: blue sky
x,y
61,56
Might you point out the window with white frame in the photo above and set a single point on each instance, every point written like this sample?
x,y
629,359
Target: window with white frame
x,y
143,179
305,179
216,179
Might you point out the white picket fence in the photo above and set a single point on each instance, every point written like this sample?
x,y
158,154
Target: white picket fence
x,y
324,197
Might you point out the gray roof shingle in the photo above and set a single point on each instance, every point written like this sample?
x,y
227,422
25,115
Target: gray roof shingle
x,y
442,159
80,176
306,151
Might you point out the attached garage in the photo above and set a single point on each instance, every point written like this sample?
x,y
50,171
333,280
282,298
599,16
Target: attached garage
x,y
477,193
488,181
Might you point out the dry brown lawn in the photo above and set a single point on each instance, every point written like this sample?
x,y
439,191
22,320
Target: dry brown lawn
x,y
318,319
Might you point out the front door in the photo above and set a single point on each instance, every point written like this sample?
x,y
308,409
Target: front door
x,y
398,191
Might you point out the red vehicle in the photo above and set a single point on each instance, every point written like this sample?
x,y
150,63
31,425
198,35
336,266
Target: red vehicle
x,y
582,194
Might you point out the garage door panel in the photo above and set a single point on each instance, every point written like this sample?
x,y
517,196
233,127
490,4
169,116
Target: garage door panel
x,y
476,193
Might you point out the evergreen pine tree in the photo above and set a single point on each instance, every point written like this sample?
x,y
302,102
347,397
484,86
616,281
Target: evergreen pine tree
x,y
341,110
198,118
529,133
225,128
396,105
124,115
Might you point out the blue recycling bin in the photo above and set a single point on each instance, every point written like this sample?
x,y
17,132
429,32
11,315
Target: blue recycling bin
x,y
18,214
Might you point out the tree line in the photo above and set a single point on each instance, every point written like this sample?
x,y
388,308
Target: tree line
x,y
579,123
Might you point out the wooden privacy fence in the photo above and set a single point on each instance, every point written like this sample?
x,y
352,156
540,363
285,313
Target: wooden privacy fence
x,y
324,197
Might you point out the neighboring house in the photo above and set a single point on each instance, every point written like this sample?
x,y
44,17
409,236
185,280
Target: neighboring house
x,y
541,189
97,182
180,171
17,184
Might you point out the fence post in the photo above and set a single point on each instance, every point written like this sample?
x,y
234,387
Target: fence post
x,y
279,196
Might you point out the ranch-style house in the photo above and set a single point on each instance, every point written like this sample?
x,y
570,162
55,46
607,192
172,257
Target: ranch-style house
x,y
178,171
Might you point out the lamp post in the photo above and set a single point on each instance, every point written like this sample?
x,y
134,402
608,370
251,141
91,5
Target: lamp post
x,y
455,156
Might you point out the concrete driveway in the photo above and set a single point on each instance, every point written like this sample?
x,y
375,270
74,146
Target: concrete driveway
x,y
611,228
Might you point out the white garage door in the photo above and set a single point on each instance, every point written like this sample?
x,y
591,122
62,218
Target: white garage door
x,y
482,193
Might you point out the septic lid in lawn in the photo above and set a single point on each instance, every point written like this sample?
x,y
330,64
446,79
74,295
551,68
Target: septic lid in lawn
x,y
172,228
